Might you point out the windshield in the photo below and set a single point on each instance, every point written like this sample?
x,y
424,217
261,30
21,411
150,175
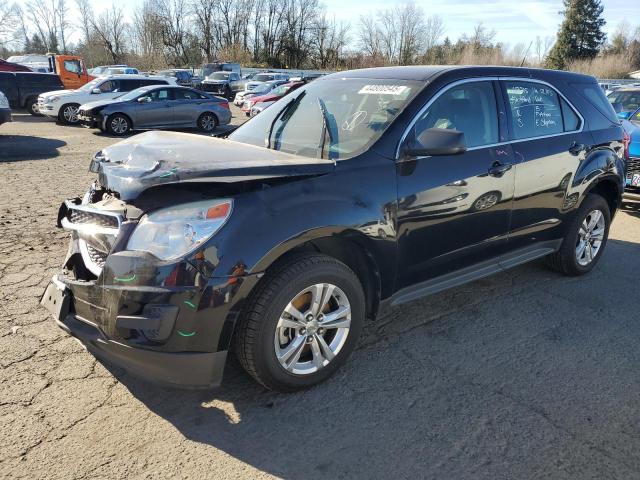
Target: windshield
x,y
625,100
87,87
335,118
281,90
133,94
98,70
218,76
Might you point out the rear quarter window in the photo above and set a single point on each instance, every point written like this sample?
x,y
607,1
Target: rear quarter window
x,y
593,93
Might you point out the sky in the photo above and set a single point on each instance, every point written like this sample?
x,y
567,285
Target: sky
x,y
516,21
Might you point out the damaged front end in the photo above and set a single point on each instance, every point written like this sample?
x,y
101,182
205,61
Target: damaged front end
x,y
140,283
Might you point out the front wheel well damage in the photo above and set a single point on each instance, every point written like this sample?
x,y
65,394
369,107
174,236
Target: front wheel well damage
x,y
356,257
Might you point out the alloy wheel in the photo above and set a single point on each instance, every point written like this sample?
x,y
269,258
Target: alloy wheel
x,y
119,125
312,329
70,114
590,237
207,123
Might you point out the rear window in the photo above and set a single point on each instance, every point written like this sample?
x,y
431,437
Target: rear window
x,y
596,97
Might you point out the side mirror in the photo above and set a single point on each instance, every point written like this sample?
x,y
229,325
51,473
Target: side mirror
x,y
436,141
625,115
96,91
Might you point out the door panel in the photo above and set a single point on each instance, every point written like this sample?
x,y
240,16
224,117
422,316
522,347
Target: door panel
x,y
157,112
546,160
452,212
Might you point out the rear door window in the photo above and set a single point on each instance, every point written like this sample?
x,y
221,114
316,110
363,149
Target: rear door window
x,y
109,86
127,85
534,109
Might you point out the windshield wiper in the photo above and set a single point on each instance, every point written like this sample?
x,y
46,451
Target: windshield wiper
x,y
280,114
326,119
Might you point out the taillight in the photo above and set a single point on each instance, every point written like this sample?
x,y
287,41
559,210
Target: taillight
x,y
626,140
225,105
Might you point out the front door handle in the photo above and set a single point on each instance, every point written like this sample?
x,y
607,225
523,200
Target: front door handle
x,y
498,169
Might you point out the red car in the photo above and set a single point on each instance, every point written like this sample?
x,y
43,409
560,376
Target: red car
x,y
275,94
12,67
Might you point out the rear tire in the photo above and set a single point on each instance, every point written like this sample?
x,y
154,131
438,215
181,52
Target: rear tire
x,y
207,122
119,124
68,114
268,332
585,239
32,107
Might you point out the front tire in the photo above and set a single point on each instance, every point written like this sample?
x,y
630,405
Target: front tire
x,y
302,322
585,239
118,124
68,114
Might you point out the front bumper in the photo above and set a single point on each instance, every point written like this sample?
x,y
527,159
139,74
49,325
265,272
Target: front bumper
x,y
167,322
87,120
48,109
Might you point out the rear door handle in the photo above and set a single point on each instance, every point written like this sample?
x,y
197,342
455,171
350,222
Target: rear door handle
x,y
498,169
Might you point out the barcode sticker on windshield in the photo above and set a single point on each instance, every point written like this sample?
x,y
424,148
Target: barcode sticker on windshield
x,y
383,89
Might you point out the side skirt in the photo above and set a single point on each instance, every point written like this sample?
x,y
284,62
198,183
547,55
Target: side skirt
x,y
474,272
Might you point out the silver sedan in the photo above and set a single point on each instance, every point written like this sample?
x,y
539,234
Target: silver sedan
x,y
157,107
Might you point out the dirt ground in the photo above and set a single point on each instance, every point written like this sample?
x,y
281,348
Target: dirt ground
x,y
526,374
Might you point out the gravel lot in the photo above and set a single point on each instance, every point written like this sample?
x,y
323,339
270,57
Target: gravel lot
x,y
526,374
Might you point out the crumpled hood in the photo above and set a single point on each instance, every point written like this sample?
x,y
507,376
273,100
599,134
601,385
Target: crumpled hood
x,y
98,103
154,158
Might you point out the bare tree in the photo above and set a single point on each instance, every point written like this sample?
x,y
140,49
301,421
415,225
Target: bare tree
x,y
42,15
542,47
60,17
10,21
328,38
111,28
205,21
433,31
86,18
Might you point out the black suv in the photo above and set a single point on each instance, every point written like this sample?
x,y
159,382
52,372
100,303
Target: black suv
x,y
361,190
22,88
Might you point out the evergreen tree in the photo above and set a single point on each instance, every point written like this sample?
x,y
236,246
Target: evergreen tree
x,y
581,35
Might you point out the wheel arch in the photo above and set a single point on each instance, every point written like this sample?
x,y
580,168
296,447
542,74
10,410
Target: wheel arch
x,y
608,189
117,112
349,247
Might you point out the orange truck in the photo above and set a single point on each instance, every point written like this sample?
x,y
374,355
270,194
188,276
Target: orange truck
x,y
71,69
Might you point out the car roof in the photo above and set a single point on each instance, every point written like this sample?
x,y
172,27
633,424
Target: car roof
x,y
135,76
628,89
426,73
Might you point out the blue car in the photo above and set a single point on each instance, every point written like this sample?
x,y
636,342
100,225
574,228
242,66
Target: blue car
x,y
631,126
626,103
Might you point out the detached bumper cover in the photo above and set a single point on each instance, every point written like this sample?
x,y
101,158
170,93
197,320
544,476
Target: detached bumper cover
x,y
186,369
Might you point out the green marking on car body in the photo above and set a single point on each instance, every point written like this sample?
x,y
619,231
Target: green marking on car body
x,y
190,303
123,279
185,334
169,173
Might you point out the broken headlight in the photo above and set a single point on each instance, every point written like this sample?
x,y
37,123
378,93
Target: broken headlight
x,y
171,233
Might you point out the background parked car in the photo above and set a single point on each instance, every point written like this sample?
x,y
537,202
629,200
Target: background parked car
x,y
270,97
259,108
22,88
262,88
5,109
632,150
12,67
226,84
183,76
625,101
102,69
122,71
157,107
63,104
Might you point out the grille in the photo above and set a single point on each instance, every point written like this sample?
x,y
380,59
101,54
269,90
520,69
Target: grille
x,y
93,218
96,256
